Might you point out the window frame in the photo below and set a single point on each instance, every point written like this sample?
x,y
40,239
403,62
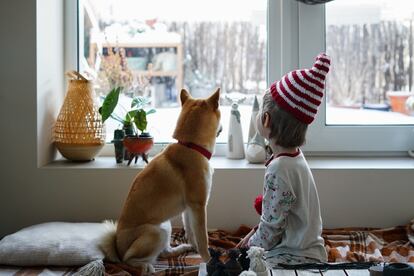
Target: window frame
x,y
295,35
303,30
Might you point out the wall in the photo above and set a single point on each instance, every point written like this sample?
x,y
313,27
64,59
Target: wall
x,y
50,77
29,194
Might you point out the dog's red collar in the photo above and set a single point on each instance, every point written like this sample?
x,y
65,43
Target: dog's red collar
x,y
200,149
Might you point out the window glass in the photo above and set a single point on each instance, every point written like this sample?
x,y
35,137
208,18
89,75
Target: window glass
x,y
153,48
371,46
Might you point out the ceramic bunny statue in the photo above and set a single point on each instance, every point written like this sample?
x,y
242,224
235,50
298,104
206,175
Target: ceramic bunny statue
x,y
257,264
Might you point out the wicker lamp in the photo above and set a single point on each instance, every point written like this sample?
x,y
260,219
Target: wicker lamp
x,y
78,133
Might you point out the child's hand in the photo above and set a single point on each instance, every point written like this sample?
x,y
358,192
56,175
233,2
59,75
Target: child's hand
x,y
244,242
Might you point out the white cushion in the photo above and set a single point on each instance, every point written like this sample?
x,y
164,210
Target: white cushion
x,y
53,243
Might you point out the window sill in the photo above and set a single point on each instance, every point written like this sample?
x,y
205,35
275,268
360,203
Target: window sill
x,y
222,163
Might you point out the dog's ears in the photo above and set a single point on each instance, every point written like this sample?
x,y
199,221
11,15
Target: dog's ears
x,y
184,96
214,99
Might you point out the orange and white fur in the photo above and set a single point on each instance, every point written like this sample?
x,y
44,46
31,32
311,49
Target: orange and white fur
x,y
178,180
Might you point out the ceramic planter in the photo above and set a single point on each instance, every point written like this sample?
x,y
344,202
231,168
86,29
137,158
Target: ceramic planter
x,y
138,146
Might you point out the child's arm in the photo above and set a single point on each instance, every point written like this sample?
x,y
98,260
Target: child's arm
x,y
278,198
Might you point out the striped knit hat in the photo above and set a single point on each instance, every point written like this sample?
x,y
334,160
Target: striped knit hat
x,y
300,92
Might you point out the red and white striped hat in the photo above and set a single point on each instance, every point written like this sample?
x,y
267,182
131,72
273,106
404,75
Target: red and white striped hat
x,y
300,92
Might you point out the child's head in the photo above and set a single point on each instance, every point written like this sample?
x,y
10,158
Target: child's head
x,y
279,126
291,104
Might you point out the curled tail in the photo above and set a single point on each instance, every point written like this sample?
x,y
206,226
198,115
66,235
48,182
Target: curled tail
x,y
108,242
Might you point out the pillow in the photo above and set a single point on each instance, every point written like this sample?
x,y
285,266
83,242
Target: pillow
x,y
53,243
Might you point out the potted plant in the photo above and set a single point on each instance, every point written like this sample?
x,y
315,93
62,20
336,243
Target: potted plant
x,y
398,99
137,141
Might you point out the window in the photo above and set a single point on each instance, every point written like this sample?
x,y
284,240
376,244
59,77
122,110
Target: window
x,y
342,134
295,34
153,48
371,44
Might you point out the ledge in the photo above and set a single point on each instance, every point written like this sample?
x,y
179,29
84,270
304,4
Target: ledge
x,y
222,163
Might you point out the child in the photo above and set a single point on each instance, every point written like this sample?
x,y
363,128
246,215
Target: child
x,y
290,225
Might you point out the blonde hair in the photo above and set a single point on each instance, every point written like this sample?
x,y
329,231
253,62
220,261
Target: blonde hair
x,y
285,129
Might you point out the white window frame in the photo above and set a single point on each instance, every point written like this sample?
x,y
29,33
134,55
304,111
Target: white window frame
x,y
300,37
296,34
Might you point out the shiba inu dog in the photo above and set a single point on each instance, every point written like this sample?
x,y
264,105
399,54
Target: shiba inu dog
x,y
178,180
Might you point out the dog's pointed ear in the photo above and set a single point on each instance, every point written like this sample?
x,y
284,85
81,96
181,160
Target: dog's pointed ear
x,y
214,99
184,96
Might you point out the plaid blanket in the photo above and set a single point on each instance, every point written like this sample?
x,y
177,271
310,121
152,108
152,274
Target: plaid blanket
x,y
394,244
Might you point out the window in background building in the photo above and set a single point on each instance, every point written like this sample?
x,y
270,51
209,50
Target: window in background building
x,y
371,45
153,48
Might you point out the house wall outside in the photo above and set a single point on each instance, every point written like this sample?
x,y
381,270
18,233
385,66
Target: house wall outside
x,y
30,193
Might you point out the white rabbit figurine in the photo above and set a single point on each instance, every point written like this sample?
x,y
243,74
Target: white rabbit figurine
x,y
257,264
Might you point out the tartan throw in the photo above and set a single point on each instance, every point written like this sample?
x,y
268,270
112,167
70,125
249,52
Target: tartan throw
x,y
395,244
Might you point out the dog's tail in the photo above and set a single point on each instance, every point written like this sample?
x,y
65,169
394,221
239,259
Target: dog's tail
x,y
108,242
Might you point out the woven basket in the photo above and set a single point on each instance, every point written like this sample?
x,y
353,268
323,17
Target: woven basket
x,y
78,133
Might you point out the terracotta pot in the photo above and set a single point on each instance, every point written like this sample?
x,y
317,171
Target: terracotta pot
x,y
138,145
398,99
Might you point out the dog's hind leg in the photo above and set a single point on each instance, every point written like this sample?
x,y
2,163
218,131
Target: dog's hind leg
x,y
169,251
144,250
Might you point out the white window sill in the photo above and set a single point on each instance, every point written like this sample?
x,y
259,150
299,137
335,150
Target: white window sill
x,y
222,163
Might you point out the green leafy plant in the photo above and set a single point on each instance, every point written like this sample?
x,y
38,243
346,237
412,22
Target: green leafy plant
x,y
136,116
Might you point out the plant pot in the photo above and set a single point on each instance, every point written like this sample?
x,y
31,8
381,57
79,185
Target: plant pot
x,y
118,141
398,99
138,146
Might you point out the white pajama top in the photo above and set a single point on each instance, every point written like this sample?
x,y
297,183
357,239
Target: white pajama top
x,y
291,221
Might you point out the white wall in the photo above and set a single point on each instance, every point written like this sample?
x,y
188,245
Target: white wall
x,y
50,77
29,194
